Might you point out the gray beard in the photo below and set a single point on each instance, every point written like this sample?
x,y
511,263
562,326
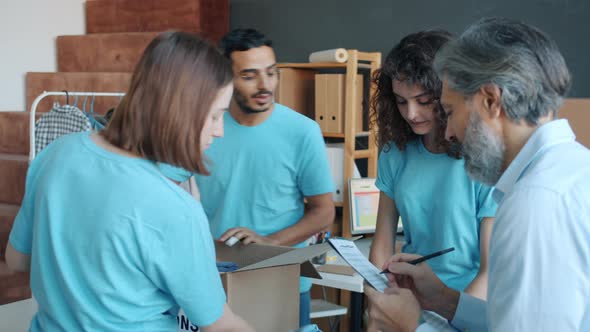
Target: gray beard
x,y
483,151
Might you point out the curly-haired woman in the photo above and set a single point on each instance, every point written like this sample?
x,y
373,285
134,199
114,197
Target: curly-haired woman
x,y
421,175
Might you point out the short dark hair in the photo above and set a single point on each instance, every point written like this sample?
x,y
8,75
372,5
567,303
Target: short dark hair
x,y
409,61
242,40
170,95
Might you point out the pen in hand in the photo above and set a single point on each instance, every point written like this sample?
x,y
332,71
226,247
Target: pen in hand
x,y
427,257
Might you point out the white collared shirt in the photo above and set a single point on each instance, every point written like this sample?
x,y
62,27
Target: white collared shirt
x,y
539,278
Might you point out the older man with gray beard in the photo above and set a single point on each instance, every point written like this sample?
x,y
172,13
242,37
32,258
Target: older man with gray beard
x,y
503,82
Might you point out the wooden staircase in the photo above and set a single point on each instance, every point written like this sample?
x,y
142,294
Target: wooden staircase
x,y
102,61
101,52
14,148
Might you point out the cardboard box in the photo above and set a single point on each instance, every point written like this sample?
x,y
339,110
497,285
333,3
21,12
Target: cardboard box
x,y
296,90
265,289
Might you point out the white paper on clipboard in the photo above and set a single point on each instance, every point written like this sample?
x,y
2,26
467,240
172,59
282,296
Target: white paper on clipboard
x,y
355,258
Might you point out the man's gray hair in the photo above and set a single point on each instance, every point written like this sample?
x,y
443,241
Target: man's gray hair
x,y
519,59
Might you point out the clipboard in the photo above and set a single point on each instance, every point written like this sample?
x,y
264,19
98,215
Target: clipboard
x,y
354,257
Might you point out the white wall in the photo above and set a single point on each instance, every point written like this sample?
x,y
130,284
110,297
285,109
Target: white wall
x,y
28,29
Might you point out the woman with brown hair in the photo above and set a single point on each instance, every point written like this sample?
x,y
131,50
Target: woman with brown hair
x,y
421,175
111,243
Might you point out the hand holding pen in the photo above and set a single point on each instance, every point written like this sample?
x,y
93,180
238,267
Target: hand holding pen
x,y
425,258
420,279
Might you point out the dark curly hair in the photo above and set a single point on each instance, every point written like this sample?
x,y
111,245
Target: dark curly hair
x,y
409,61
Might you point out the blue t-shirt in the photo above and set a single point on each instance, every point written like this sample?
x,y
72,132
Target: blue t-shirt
x,y
114,245
260,174
440,207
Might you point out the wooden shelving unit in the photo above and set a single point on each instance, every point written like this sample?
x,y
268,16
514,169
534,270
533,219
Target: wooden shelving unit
x,y
367,62
358,63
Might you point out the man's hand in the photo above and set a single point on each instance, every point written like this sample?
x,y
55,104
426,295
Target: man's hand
x,y
246,236
431,292
395,310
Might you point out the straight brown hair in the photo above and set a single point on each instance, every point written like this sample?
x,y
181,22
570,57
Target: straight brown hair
x,y
171,92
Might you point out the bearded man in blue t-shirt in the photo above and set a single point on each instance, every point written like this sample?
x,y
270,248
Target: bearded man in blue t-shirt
x,y
270,159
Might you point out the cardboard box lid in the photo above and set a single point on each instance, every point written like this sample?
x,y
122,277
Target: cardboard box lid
x,y
259,256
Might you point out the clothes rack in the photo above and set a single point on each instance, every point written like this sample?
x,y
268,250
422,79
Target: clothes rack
x,y
58,93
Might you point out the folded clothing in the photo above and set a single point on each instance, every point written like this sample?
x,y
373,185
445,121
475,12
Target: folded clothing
x,y
227,266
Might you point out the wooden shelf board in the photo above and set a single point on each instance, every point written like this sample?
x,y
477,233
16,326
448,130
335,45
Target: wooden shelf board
x,y
333,135
321,308
319,65
342,135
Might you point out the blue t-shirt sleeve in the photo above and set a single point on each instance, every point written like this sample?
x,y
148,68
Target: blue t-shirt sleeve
x,y
486,205
387,165
21,235
182,262
314,176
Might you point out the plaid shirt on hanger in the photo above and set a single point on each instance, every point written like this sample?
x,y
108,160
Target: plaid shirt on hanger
x,y
61,120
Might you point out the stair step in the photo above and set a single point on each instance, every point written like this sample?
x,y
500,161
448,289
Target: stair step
x,y
13,175
36,83
14,132
13,286
7,214
207,17
101,52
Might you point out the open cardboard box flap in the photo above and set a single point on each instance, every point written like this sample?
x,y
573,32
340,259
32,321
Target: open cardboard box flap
x,y
258,256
